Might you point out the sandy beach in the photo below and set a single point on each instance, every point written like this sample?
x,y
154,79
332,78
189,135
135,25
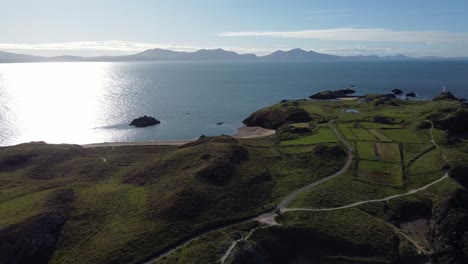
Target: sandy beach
x,y
242,132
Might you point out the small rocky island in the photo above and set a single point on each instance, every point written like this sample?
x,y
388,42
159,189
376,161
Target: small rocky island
x,y
397,91
145,121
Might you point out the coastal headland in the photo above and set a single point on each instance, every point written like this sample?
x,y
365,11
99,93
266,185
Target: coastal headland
x,y
376,179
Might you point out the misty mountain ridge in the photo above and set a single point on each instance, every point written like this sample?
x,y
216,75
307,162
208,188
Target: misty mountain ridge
x,y
211,55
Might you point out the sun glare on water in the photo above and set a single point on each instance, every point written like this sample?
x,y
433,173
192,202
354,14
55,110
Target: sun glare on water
x,y
46,103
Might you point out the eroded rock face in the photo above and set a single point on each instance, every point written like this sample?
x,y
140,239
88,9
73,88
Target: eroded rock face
x,y
145,121
327,95
274,118
449,229
457,123
34,240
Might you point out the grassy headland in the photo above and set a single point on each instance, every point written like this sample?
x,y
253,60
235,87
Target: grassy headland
x,y
128,204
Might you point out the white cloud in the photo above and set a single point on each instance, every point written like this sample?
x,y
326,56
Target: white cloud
x,y
358,34
361,50
112,45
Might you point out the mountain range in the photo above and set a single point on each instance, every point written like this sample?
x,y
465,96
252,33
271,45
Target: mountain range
x,y
211,55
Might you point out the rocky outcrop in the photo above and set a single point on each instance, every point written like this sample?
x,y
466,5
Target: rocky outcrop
x,y
397,92
411,94
383,120
327,95
274,118
448,235
445,96
145,121
457,123
34,240
460,174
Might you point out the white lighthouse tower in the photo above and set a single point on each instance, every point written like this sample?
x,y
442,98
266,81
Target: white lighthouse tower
x,y
445,90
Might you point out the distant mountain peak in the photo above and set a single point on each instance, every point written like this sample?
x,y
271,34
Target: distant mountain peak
x,y
219,54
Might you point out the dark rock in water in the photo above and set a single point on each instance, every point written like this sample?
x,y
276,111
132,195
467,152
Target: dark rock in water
x,y
448,234
220,123
327,95
145,121
411,94
445,96
397,91
34,240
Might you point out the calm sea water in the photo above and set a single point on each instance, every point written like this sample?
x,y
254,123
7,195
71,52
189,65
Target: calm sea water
x,y
95,102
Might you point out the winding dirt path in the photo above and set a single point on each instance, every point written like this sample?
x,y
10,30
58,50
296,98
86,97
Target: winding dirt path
x,y
385,199
269,218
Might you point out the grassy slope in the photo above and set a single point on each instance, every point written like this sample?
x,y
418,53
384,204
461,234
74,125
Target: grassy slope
x,y
423,165
144,199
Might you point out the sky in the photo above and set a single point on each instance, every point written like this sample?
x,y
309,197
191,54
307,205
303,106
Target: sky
x,y
342,27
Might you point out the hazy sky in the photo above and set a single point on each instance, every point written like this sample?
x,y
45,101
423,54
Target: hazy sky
x,y
96,27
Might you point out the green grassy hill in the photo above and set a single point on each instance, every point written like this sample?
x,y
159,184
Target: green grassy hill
x,y
69,204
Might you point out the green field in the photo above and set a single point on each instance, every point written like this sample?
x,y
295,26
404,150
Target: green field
x,y
380,173
405,135
370,125
366,150
362,134
323,135
412,151
388,152
345,129
377,133
125,204
426,169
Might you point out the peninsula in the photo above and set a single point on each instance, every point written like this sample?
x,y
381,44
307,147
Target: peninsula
x,y
377,179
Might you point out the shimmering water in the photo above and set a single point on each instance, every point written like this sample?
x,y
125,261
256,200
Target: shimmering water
x,y
95,102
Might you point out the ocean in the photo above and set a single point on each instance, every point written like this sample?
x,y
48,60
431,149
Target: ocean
x,y
94,102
